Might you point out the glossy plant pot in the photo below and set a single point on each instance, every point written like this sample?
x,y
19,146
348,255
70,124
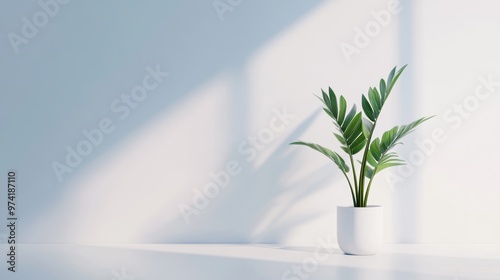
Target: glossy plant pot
x,y
360,230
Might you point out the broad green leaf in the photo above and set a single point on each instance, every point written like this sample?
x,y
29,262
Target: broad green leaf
x,y
342,110
388,164
388,138
374,102
371,160
349,126
375,149
354,129
367,108
358,144
391,76
367,127
350,131
389,160
377,98
349,117
333,101
326,100
391,137
382,90
336,158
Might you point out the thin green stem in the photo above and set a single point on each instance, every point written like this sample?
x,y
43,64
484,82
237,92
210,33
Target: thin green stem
x,y
350,186
355,177
368,188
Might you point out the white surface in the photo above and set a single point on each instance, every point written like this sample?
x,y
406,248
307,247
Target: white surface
x,y
252,262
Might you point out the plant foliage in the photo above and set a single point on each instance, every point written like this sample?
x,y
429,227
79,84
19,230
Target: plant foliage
x,y
354,131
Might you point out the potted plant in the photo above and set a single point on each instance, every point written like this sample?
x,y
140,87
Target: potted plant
x,y
360,227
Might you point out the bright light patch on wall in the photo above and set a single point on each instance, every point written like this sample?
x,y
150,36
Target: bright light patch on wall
x,y
136,186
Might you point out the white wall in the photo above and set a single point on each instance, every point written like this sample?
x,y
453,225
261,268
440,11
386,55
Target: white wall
x,y
226,81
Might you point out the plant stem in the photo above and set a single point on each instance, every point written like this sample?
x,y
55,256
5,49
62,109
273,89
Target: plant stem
x,y
354,176
368,188
352,191
363,165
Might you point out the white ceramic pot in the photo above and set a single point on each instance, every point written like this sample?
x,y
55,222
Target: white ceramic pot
x,y
360,230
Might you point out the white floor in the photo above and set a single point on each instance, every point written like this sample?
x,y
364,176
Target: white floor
x,y
225,261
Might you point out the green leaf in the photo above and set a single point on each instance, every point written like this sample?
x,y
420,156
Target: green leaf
x,y
343,107
392,79
336,158
371,160
391,75
320,99
333,102
382,87
329,113
392,137
389,160
379,156
367,108
388,138
367,127
358,144
353,129
388,164
326,100
375,149
374,102
350,126
349,118
377,98
369,172
340,138
346,149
